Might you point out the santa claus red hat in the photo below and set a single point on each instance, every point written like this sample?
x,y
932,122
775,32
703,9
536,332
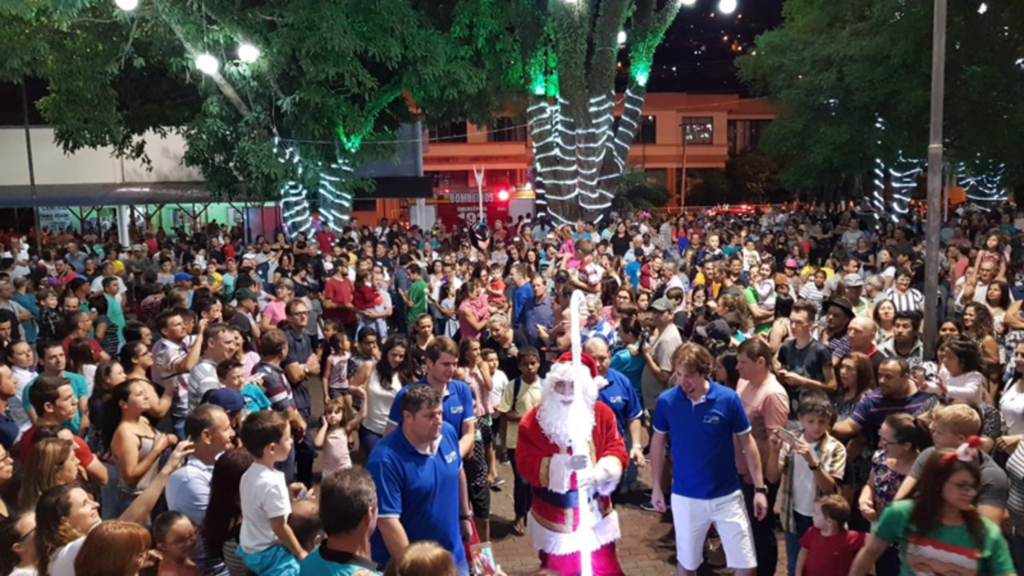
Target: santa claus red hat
x,y
585,358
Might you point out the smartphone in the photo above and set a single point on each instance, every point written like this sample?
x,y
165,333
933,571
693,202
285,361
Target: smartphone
x,y
482,560
787,436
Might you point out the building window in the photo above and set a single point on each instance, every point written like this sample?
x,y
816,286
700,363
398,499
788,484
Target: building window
x,y
451,180
505,129
447,133
699,131
364,205
745,135
648,132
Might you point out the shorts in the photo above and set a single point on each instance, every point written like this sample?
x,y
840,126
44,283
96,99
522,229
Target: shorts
x,y
693,517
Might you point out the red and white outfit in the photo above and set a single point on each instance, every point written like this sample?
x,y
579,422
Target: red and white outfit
x,y
548,435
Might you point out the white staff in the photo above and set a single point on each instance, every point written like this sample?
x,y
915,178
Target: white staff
x,y
577,303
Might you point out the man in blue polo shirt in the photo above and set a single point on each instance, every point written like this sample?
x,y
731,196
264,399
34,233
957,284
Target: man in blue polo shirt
x,y
703,418
619,395
421,487
442,357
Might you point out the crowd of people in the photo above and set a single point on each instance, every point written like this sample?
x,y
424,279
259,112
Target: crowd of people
x,y
157,401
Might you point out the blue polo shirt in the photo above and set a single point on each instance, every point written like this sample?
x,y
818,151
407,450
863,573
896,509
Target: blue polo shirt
x,y
703,461
457,405
520,297
421,490
621,397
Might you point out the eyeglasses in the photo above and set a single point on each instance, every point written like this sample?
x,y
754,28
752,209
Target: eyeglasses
x,y
299,314
27,534
966,487
187,539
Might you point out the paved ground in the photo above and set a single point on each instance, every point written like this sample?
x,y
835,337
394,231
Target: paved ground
x,y
644,549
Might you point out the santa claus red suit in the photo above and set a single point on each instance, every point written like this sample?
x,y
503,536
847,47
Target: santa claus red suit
x,y
571,453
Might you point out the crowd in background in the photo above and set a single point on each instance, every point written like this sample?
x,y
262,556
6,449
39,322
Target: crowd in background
x,y
158,401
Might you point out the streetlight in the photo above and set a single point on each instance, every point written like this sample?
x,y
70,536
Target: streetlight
x,y
687,2
127,5
207,64
248,53
727,6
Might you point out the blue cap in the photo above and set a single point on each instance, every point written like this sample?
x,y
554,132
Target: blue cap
x,y
227,398
182,277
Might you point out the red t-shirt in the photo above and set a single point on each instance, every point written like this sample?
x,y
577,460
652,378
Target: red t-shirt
x,y
97,352
82,451
830,554
326,239
339,292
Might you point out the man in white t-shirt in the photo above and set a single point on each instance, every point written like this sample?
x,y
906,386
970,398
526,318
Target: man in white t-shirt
x,y
219,344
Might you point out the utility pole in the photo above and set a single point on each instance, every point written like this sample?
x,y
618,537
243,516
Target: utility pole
x,y
931,259
31,170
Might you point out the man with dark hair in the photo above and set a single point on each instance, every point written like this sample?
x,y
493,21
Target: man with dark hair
x,y
348,515
905,343
54,402
188,489
897,392
53,360
175,354
419,478
838,314
441,358
804,362
79,325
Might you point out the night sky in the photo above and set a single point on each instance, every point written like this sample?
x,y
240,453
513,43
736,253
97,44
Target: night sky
x,y
697,55
699,48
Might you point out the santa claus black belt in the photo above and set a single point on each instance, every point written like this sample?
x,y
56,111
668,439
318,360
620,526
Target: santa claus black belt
x,y
570,499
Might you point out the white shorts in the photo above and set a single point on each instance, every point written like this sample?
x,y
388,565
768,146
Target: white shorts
x,y
693,517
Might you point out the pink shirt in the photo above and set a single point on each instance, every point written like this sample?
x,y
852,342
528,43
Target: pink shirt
x,y
767,407
336,454
477,308
275,312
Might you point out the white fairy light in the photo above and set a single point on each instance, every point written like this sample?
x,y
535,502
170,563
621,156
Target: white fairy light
x,y
127,5
983,8
207,64
727,6
687,2
621,37
248,53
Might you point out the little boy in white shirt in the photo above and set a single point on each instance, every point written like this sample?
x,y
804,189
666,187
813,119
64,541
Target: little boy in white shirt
x,y
267,544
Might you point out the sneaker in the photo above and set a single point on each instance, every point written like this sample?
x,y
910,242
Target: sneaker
x,y
648,507
497,483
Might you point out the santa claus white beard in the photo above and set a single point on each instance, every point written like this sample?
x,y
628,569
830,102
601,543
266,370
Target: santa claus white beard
x,y
566,424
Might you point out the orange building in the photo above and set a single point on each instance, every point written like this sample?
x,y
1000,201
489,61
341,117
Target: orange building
x,y
716,126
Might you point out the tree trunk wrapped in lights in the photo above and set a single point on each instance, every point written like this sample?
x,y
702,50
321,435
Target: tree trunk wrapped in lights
x,y
579,152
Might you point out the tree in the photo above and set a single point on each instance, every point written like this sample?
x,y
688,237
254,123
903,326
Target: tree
x,y
331,76
753,175
838,69
570,49
635,190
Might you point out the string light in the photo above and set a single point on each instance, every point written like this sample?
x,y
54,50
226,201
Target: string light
x,y
248,53
127,5
621,37
983,8
207,64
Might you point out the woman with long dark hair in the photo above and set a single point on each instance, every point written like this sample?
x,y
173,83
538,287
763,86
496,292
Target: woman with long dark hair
x,y
1011,406
223,519
17,544
978,325
133,441
383,379
939,530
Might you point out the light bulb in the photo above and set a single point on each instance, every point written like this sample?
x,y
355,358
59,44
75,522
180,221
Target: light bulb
x,y
207,64
727,6
622,37
248,53
687,2
983,8
127,5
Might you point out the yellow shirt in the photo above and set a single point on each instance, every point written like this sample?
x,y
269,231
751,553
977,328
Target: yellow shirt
x,y
529,397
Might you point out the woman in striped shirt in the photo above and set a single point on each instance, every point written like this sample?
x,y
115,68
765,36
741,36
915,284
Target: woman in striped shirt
x,y
905,298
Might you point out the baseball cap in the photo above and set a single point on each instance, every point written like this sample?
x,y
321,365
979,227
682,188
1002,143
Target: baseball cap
x,y
245,294
663,305
853,281
182,277
77,282
790,263
227,398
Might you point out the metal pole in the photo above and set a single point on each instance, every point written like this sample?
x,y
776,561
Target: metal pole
x,y
931,267
682,191
31,169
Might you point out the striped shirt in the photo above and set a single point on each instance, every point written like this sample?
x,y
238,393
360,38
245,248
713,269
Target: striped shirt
x,y
908,302
1015,503
873,408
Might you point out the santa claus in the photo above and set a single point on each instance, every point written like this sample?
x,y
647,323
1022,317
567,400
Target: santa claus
x,y
571,453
